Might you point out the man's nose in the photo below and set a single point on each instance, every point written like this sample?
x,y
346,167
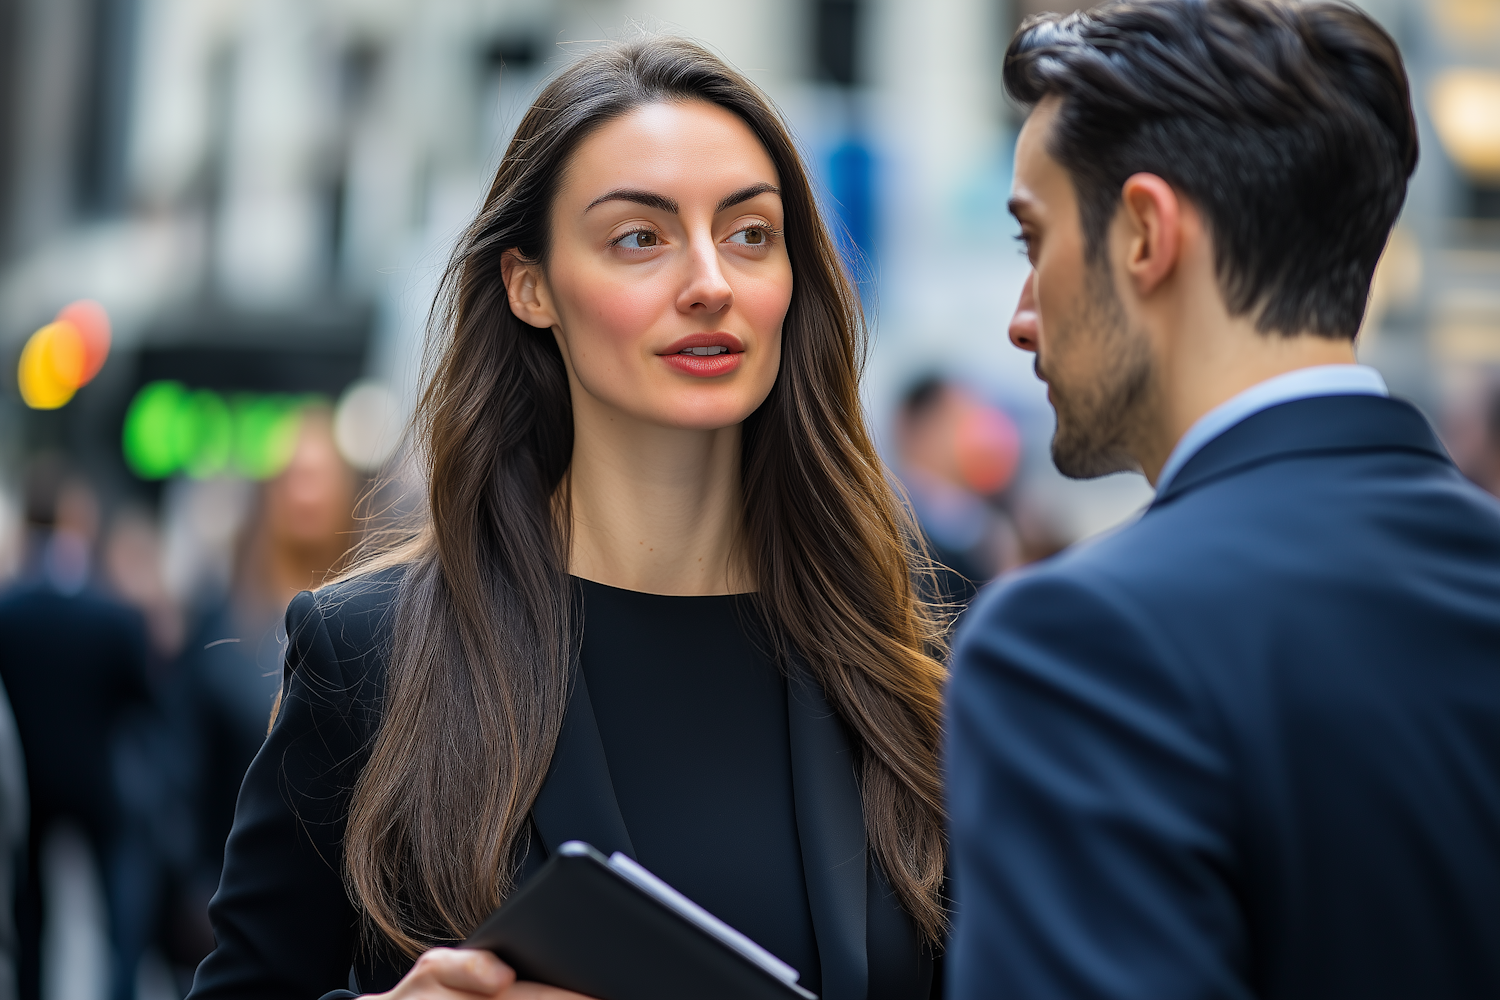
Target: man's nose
x,y
1025,325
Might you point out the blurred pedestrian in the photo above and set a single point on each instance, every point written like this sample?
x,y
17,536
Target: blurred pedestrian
x,y
229,674
1248,746
955,455
73,661
1472,433
154,761
134,571
13,828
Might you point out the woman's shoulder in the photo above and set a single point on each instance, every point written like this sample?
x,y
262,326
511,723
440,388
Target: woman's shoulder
x,y
341,634
357,609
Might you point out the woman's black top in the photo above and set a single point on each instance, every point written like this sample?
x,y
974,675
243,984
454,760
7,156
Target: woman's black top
x,y
684,745
692,714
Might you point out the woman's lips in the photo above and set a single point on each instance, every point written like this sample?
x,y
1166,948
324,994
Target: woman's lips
x,y
705,355
704,366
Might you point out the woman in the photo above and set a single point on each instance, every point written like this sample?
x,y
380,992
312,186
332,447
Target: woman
x,y
662,601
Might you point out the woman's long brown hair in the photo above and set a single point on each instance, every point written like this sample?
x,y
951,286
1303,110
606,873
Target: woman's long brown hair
x,y
484,636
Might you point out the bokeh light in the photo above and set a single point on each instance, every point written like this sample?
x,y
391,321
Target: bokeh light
x,y
170,429
63,356
988,447
92,323
265,432
51,366
367,425
1466,114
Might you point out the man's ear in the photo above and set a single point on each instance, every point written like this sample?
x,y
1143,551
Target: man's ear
x,y
526,286
1153,218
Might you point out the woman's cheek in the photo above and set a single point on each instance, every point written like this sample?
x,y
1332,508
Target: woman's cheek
x,y
765,300
621,316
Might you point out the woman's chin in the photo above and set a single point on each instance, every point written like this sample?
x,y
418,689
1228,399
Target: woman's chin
x,y
700,418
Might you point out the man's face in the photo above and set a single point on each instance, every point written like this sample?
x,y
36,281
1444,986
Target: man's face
x,y
1098,370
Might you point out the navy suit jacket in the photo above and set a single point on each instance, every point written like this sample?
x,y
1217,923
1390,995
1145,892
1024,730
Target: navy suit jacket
x,y
1248,746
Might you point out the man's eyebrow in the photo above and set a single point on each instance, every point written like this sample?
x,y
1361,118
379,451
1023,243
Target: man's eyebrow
x,y
745,194
647,198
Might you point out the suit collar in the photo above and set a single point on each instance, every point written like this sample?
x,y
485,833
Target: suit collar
x,y
831,829
577,800
1323,424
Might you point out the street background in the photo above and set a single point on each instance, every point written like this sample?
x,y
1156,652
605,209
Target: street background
x,y
254,200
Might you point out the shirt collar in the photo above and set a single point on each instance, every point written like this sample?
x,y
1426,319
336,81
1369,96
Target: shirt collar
x,y
1304,383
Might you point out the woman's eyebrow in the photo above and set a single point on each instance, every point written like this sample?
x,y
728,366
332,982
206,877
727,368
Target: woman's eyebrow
x,y
647,198
660,201
745,194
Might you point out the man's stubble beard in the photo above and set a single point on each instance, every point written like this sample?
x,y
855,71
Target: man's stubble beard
x,y
1096,422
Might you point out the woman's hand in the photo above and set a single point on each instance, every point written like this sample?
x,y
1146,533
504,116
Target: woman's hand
x,y
465,973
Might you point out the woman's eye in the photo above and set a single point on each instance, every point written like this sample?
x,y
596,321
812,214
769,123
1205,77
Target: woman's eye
x,y
641,239
753,236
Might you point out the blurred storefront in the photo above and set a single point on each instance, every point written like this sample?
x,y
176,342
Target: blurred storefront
x,y
254,200
253,187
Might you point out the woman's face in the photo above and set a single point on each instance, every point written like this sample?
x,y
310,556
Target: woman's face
x,y
668,279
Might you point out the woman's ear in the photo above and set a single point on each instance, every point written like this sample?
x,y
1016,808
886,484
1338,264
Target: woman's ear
x,y
526,286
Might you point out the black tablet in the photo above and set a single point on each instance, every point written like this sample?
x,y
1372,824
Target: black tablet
x,y
609,929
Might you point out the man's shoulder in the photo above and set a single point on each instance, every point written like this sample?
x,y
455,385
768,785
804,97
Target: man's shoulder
x,y
1103,570
1310,504
1250,553
1086,594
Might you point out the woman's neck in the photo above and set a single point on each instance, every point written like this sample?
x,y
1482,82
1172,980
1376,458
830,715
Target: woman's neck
x,y
657,509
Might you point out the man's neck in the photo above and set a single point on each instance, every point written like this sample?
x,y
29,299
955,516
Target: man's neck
x,y
1197,373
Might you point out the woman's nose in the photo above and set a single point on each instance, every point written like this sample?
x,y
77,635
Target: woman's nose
x,y
1025,324
707,289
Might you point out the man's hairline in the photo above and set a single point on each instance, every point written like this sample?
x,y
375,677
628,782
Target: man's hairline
x,y
1096,253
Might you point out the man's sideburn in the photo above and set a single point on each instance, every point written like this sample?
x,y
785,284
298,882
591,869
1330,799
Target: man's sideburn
x,y
1097,419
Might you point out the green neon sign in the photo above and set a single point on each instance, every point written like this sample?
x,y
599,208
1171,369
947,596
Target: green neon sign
x,y
171,429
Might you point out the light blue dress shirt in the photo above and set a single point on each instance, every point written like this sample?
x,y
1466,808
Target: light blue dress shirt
x,y
1304,383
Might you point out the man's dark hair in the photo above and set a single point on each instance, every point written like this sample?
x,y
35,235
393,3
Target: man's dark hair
x,y
1288,125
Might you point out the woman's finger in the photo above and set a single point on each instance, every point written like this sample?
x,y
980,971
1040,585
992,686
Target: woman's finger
x,y
466,970
536,991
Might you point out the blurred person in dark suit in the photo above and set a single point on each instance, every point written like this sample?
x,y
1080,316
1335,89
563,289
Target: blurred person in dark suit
x,y
1248,746
954,454
1472,433
13,827
135,573
230,672
154,762
73,661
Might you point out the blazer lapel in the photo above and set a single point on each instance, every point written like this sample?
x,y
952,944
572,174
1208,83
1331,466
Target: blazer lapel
x,y
577,800
831,830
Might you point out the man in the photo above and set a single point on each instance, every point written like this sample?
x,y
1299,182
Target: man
x,y
1248,746
13,809
73,663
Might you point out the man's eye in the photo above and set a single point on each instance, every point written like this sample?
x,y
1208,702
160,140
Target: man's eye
x,y
641,239
753,236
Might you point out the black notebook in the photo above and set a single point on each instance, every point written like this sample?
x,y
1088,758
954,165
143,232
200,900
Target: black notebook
x,y
608,928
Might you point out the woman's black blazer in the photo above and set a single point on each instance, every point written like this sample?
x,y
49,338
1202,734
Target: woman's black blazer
x,y
285,926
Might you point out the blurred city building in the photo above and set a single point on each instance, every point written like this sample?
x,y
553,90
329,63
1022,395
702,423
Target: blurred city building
x,y
260,195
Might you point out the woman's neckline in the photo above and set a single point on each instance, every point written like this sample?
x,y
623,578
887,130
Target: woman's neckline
x,y
647,593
